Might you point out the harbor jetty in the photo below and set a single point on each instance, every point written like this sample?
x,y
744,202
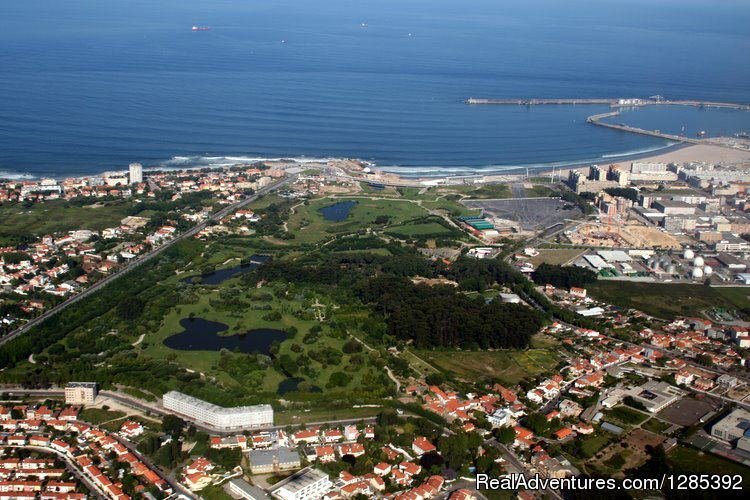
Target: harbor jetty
x,y
617,105
535,102
612,102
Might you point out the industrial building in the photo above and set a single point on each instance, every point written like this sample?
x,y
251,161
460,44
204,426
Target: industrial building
x,y
272,461
218,417
656,395
733,426
307,484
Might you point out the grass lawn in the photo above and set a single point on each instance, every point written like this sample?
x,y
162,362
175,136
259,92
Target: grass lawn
x,y
626,415
540,191
309,226
98,415
508,365
686,460
590,445
684,300
422,230
555,256
655,426
417,362
487,191
59,216
312,415
292,312
205,361
214,492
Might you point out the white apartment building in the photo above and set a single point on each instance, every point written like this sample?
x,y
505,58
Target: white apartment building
x,y
237,418
307,484
80,393
135,173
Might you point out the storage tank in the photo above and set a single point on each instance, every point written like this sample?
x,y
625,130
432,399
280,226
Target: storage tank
x,y
698,262
689,254
708,270
671,269
697,273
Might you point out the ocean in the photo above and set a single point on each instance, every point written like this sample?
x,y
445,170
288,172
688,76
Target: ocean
x,y
88,86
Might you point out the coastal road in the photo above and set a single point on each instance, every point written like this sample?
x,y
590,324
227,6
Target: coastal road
x,y
216,216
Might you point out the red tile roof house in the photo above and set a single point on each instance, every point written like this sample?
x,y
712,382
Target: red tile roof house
x,y
382,469
398,477
523,437
354,489
307,436
200,464
347,477
421,446
131,429
333,436
354,449
564,433
325,454
410,468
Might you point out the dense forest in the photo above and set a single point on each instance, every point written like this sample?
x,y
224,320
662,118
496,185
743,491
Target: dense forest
x,y
441,316
429,316
563,276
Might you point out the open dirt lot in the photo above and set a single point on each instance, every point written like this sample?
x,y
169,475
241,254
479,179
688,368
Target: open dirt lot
x,y
632,234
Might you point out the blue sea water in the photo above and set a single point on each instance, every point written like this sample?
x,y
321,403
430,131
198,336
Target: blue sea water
x,y
87,85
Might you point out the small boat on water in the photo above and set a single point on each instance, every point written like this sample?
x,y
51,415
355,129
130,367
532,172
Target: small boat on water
x,y
201,28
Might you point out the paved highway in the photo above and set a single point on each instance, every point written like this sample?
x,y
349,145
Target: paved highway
x,y
216,216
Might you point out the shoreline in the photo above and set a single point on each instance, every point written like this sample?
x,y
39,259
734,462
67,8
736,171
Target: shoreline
x,y
671,153
217,162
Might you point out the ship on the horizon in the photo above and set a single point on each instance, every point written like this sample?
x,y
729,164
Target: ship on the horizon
x,y
201,28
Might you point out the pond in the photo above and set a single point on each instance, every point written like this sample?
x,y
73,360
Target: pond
x,y
291,384
338,211
203,335
221,275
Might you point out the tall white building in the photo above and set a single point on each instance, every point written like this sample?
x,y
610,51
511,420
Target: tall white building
x,y
80,393
136,173
203,412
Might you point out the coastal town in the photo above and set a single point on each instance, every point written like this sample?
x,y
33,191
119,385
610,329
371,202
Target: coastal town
x,y
605,387
423,250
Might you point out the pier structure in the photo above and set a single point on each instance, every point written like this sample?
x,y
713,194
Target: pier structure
x,y
617,105
612,102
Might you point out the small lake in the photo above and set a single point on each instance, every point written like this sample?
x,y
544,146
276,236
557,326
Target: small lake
x,y
203,335
221,275
338,211
291,384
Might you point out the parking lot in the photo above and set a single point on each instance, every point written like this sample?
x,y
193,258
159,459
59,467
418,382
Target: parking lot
x,y
688,411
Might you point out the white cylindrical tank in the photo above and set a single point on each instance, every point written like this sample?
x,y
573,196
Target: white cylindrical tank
x,y
697,273
689,254
699,262
708,270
